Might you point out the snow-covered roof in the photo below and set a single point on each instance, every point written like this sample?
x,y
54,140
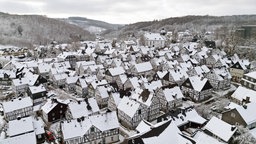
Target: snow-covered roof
x,y
98,83
143,67
18,103
251,74
173,93
170,133
83,83
198,82
153,85
106,121
50,104
71,80
10,73
79,109
73,128
60,76
116,71
38,125
242,92
116,97
161,74
28,138
153,36
128,106
37,89
16,127
248,113
143,96
19,82
220,128
78,128
179,74
103,90
189,115
202,138
44,67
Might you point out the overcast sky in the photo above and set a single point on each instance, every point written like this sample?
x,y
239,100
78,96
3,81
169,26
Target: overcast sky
x,y
128,11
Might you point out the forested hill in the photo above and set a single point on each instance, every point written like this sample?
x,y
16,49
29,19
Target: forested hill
x,y
26,30
193,23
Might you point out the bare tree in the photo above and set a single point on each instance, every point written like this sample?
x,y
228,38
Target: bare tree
x,y
20,30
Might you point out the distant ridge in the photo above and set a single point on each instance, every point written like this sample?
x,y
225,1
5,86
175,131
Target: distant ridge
x,y
94,26
191,22
26,30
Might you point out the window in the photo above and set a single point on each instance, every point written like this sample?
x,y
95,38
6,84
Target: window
x,y
92,129
39,136
112,139
53,114
233,115
61,112
237,124
139,111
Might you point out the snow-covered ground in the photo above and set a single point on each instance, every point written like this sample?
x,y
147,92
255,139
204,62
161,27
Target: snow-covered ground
x,y
2,124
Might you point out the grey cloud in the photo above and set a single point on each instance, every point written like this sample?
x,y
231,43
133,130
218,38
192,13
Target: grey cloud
x,y
128,11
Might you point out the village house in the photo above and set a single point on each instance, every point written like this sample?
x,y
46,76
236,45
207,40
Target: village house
x,y
102,95
220,78
103,128
112,73
82,108
17,108
241,115
127,44
170,98
159,133
70,85
53,110
6,77
37,94
27,125
243,95
81,66
59,80
197,88
120,80
131,112
220,129
143,69
93,86
44,69
249,80
81,87
149,100
154,40
237,71
71,57
187,118
113,101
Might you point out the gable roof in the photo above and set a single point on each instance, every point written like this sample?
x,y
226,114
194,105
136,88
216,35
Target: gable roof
x,y
241,93
199,83
172,93
128,106
247,112
116,71
18,103
143,67
220,128
161,134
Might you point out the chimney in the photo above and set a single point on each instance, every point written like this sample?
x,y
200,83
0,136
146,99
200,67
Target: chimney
x,y
233,128
247,100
